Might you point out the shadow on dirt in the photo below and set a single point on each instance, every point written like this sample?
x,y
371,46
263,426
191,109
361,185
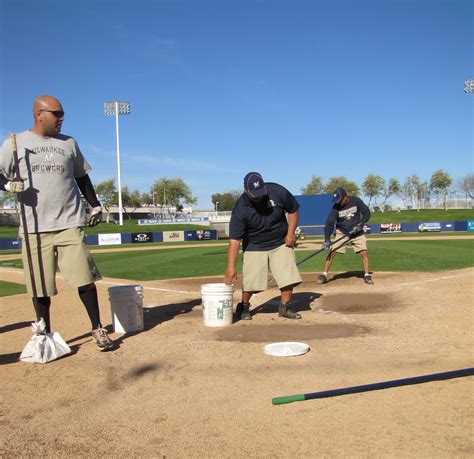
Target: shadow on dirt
x,y
300,301
6,359
157,315
15,326
346,275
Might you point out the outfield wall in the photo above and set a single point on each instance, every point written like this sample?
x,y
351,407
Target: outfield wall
x,y
409,227
129,238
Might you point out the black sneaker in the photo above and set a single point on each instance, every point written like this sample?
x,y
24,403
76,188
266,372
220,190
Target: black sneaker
x,y
242,312
322,279
284,310
102,340
368,279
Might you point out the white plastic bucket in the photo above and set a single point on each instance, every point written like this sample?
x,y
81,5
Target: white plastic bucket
x,y
126,304
217,304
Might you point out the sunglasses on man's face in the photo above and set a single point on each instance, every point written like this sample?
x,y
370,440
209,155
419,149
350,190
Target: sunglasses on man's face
x,y
56,113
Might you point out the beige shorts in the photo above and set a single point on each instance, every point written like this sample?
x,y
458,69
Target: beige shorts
x,y
65,250
358,243
282,264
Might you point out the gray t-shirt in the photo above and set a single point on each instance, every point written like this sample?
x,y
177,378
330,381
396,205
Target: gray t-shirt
x,y
49,166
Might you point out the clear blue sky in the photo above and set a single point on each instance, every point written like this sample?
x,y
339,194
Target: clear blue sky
x,y
289,88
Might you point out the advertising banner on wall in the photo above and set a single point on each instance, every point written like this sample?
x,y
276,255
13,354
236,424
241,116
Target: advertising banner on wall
x,y
203,235
200,235
429,226
140,238
173,236
391,228
110,239
470,225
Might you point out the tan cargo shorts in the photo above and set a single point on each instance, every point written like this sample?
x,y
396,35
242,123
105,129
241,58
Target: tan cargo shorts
x,y
65,250
282,263
358,243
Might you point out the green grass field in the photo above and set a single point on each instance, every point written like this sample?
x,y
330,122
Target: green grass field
x,y
11,288
429,215
436,255
389,255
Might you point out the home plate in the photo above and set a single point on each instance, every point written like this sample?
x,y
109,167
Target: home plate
x,y
286,349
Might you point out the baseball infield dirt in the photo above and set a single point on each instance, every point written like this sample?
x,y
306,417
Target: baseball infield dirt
x,y
180,389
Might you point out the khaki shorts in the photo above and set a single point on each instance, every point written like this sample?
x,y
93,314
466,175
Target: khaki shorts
x,y
282,264
66,250
358,243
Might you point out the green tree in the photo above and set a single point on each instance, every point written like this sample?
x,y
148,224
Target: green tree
x,y
373,186
146,198
226,200
440,182
315,186
411,189
107,194
172,192
466,185
391,188
334,182
130,199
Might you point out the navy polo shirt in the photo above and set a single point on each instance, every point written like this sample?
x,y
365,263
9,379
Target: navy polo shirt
x,y
346,217
262,226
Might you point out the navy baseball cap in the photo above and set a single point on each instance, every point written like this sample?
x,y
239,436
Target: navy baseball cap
x,y
338,194
254,185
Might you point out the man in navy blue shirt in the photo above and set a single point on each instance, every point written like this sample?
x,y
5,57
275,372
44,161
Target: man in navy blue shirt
x,y
259,220
349,214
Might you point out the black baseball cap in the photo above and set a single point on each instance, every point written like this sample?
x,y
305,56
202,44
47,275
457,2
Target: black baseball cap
x,y
254,185
338,194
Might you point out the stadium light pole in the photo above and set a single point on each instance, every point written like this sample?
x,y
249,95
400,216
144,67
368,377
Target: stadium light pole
x,y
469,86
116,108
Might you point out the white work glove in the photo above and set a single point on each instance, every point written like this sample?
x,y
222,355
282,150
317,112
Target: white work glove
x,y
96,216
15,186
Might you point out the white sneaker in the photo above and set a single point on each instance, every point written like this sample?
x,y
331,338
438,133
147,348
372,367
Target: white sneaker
x,y
102,340
322,279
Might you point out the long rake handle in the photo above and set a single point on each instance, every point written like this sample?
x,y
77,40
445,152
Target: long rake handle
x,y
316,253
319,251
375,386
25,225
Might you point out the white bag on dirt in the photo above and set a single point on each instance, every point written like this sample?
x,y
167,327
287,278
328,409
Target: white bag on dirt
x,y
44,347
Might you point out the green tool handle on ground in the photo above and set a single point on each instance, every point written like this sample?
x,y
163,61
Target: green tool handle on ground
x,y
375,386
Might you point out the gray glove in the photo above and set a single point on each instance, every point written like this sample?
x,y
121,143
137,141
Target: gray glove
x,y
356,230
15,186
96,216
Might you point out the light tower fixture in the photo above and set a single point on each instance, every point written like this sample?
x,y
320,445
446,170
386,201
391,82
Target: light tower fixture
x,y
116,108
469,86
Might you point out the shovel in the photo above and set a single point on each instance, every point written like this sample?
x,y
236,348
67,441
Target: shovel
x,y
43,347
